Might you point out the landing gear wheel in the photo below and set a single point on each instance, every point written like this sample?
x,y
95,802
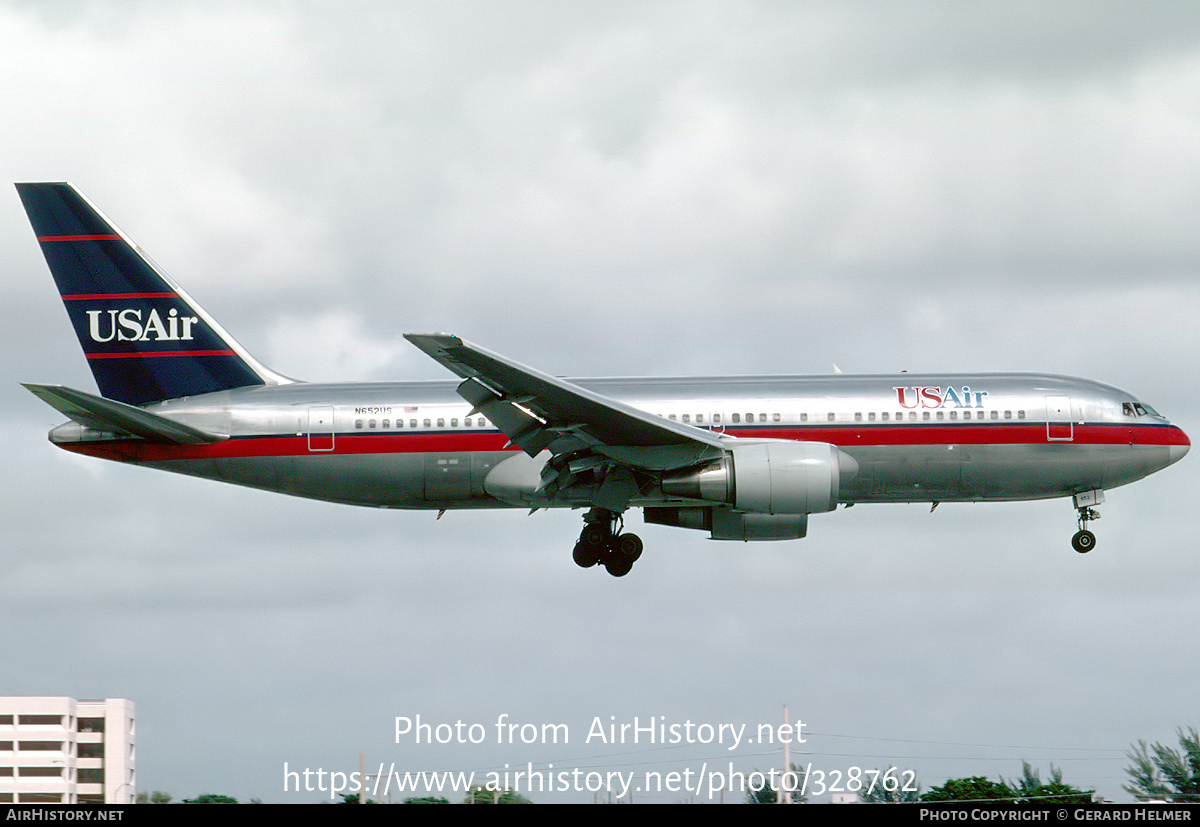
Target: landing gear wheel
x,y
585,556
594,536
628,546
1083,541
618,565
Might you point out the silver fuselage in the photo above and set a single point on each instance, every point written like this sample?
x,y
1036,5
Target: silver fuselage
x,y
931,438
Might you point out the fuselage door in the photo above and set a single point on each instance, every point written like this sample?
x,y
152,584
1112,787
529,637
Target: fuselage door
x,y
1059,426
320,429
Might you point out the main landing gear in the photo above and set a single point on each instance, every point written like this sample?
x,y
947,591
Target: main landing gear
x,y
602,541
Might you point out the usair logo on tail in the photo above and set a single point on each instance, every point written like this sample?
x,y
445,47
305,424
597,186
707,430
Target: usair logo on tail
x,y
128,326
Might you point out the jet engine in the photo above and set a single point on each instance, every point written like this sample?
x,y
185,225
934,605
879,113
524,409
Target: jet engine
x,y
765,490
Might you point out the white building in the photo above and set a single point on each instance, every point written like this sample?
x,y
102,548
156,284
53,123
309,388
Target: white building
x,y
64,751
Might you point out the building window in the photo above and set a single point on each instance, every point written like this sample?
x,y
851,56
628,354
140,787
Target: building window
x,y
89,776
40,746
40,720
90,750
40,772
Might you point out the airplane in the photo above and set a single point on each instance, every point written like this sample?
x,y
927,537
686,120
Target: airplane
x,y
742,458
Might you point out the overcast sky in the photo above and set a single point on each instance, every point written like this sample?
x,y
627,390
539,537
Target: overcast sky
x,y
613,189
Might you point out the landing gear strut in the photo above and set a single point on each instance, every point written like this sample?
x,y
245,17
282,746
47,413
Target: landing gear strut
x,y
1084,540
602,541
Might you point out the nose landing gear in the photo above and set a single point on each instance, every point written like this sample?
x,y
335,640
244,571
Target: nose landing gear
x,y
603,542
1084,540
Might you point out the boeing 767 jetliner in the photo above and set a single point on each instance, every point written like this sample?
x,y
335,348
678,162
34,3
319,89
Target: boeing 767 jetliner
x,y
742,458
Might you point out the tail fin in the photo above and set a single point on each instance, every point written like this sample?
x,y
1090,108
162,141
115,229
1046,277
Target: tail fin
x,y
144,338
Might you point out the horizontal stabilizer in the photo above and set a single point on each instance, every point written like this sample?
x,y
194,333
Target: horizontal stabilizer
x,y
102,414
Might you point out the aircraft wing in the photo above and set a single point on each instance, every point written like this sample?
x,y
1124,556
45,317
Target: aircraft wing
x,y
539,412
102,414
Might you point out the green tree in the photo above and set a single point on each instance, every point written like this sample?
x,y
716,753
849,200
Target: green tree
x,y
878,793
1031,789
156,797
1160,772
210,798
976,788
770,794
482,795
427,800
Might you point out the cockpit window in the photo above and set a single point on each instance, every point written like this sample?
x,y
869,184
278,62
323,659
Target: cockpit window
x,y
1138,409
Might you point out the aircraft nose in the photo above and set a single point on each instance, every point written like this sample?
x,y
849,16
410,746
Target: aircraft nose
x,y
1181,447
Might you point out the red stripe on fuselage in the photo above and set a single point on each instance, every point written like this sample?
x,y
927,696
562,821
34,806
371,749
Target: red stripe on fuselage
x,y
136,450
104,237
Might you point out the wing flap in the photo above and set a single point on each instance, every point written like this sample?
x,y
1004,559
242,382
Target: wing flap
x,y
102,414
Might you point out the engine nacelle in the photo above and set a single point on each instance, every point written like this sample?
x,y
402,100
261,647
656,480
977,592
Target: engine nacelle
x,y
774,477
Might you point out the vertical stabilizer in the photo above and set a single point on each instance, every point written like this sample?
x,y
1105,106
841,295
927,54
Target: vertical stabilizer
x,y
144,338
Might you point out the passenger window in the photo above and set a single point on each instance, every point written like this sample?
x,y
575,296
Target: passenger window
x,y
941,414
1020,414
687,418
925,415
831,417
427,423
995,414
441,422
954,414
1008,414
358,423
885,416
454,422
857,416
371,424
699,418
762,417
776,417
671,417
387,423
803,417
737,418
